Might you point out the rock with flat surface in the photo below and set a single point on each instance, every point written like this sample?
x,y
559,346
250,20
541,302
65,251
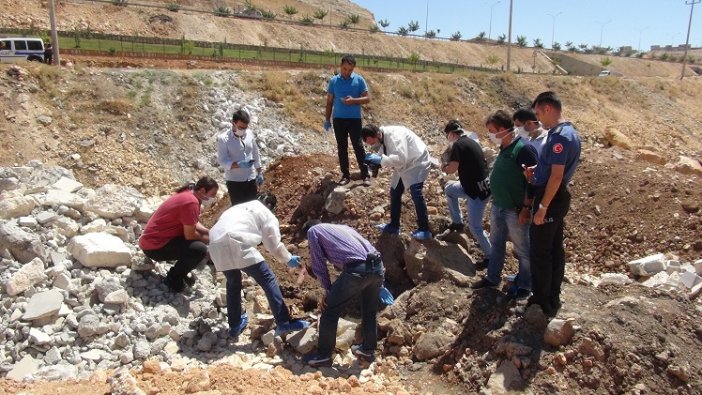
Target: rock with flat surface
x,y
431,344
43,304
558,332
67,185
56,197
30,274
113,201
23,246
99,250
16,207
507,380
23,368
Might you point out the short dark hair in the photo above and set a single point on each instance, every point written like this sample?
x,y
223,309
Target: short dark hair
x,y
524,115
547,97
307,225
348,59
453,126
241,115
268,199
500,119
206,182
369,131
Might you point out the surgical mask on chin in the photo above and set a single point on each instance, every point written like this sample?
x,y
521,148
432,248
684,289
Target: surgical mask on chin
x,y
495,140
376,147
239,132
521,132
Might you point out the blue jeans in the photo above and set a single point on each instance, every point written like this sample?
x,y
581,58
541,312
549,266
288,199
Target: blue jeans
x,y
356,279
420,205
503,223
476,208
265,277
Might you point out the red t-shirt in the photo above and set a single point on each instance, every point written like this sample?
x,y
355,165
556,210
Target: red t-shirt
x,y
168,220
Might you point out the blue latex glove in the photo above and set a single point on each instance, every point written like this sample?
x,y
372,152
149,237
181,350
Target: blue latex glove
x,y
373,158
327,126
245,164
294,261
386,297
259,179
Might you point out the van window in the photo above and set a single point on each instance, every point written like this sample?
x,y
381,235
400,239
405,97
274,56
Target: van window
x,y
7,45
20,45
35,45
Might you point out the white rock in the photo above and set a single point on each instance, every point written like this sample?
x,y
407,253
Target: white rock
x,y
98,225
29,222
304,341
66,226
698,267
147,207
506,380
268,337
36,336
30,274
23,368
93,355
657,280
43,304
649,265
99,250
689,280
16,207
55,197
114,201
614,279
53,356
63,281
117,297
67,185
45,217
56,372
23,246
335,200
142,349
558,332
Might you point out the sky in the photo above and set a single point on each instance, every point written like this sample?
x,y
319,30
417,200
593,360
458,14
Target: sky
x,y
612,23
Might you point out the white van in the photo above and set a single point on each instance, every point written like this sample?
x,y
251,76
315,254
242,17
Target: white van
x,y
21,48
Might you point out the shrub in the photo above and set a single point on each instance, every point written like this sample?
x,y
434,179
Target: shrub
x,y
112,51
120,3
374,29
354,18
320,14
173,7
413,26
345,24
403,31
268,14
430,34
306,20
222,11
290,10
501,39
456,36
521,41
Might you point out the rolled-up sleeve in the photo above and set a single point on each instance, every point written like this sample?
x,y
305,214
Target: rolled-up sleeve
x,y
270,237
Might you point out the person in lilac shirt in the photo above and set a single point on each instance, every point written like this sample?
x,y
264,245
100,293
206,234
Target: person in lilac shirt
x,y
362,274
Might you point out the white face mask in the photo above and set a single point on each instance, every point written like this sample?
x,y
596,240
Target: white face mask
x,y
239,132
495,140
522,132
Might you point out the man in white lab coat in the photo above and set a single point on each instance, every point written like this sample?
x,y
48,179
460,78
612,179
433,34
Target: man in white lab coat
x,y
402,150
233,241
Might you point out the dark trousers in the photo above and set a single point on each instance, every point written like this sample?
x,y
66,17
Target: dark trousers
x,y
188,254
242,192
343,129
546,252
364,279
264,276
420,205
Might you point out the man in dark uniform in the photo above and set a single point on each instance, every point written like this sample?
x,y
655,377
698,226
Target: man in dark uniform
x,y
554,170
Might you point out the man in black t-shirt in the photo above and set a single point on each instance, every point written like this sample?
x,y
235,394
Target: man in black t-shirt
x,y
468,159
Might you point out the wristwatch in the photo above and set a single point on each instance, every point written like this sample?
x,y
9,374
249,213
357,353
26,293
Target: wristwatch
x,y
541,206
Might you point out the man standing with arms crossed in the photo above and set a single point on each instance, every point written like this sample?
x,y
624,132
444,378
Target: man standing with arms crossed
x,y
346,92
555,168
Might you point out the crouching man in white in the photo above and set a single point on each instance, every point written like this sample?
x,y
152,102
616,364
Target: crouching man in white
x,y
233,241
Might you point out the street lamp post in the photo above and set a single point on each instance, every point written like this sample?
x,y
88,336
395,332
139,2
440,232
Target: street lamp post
x,y
691,3
491,7
640,33
553,28
602,25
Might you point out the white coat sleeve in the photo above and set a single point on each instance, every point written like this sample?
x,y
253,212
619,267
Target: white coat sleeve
x,y
223,157
397,157
270,235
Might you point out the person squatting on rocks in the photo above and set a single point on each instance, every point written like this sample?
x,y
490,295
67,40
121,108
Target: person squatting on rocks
x,y
403,151
529,128
509,216
174,232
555,168
346,92
473,185
233,241
362,274
237,153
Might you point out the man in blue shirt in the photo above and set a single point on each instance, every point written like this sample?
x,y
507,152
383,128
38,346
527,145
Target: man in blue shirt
x,y
346,92
555,167
361,275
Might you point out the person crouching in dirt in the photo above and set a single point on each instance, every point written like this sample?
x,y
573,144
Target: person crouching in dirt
x,y
233,249
403,151
174,232
362,274
237,153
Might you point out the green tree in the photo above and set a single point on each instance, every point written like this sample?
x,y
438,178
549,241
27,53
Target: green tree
x,y
403,31
414,59
456,36
606,61
384,23
522,41
556,46
320,14
538,43
430,34
501,38
413,26
480,37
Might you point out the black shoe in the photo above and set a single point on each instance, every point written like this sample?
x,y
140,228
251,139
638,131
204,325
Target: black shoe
x,y
317,361
483,283
456,227
366,181
344,180
189,280
482,265
175,286
360,353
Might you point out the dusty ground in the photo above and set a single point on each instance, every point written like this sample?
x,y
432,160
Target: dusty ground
x,y
133,123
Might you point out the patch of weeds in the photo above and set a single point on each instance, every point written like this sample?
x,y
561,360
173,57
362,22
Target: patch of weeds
x,y
47,77
145,100
115,107
132,94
